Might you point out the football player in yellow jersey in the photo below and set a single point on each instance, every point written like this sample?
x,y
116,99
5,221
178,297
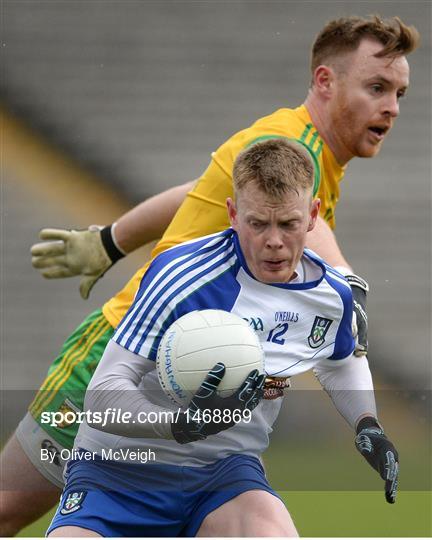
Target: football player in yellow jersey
x,y
359,72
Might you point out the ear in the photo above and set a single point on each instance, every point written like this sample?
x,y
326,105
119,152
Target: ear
x,y
232,212
314,212
323,79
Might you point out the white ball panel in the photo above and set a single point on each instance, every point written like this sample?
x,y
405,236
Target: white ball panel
x,y
214,337
199,340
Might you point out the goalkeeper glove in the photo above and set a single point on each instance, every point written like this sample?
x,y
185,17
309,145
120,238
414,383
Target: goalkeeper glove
x,y
380,453
208,413
359,288
65,253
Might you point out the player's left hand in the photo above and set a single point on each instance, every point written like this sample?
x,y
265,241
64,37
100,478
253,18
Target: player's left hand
x,y
380,453
359,288
209,414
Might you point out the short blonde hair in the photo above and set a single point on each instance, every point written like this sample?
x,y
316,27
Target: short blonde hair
x,y
275,166
341,36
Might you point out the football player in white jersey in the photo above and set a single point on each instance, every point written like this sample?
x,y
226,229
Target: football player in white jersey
x,y
259,267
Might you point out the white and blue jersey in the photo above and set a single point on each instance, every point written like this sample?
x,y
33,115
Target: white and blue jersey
x,y
299,324
211,273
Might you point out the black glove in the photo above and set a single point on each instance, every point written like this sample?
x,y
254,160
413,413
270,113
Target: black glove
x,y
380,453
208,413
359,289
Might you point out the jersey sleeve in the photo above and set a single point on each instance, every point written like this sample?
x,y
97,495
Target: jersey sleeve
x,y
349,384
182,279
114,384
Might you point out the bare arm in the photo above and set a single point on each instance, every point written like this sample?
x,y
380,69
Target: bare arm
x,y
322,240
148,221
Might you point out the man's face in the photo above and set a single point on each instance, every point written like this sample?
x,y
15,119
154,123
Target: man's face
x,y
272,233
365,102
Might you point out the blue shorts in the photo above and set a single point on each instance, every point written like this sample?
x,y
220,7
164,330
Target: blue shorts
x,y
121,499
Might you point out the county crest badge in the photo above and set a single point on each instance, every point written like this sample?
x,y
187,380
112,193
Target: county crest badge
x,y
67,407
318,332
73,502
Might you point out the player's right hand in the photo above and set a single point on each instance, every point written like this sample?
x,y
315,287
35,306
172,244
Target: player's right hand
x,y
193,424
65,253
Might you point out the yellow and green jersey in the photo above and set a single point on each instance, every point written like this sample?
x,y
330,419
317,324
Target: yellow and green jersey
x,y
204,210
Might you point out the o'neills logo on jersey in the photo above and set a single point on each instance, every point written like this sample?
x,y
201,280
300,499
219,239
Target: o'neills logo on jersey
x,y
286,316
318,332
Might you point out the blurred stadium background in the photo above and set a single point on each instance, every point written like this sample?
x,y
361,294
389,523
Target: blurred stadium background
x,y
105,103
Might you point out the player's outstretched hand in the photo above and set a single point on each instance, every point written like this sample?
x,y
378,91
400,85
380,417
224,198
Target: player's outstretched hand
x,y
359,288
208,413
65,253
380,453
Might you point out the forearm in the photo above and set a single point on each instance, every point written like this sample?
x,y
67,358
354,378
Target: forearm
x,y
148,221
115,386
350,387
323,241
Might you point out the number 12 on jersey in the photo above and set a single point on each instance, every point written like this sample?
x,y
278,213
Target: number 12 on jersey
x,y
276,333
